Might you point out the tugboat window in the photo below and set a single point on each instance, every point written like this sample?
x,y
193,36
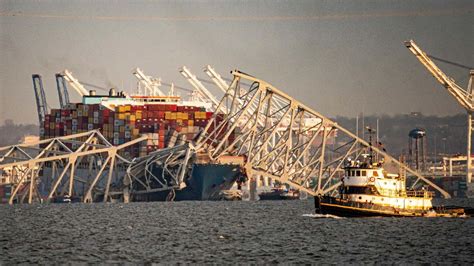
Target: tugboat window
x,y
358,173
364,173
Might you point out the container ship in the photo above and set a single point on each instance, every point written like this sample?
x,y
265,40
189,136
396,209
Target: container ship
x,y
123,118
165,120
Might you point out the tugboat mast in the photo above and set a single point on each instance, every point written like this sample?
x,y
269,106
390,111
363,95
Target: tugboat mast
x,y
371,152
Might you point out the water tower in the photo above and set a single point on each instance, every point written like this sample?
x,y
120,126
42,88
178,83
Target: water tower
x,y
417,148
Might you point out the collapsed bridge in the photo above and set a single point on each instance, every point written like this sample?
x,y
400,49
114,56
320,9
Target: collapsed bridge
x,y
279,137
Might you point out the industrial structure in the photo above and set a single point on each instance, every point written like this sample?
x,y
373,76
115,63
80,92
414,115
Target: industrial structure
x,y
417,149
83,165
299,156
157,146
463,96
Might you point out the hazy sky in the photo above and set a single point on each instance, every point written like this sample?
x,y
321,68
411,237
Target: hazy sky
x,y
339,57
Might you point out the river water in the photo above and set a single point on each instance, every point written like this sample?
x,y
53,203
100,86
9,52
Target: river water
x,y
224,232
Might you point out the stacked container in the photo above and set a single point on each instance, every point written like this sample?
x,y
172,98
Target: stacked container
x,y
160,122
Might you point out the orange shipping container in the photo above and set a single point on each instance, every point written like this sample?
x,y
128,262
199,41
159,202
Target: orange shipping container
x,y
138,115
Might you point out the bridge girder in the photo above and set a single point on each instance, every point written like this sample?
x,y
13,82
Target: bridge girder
x,y
63,163
285,140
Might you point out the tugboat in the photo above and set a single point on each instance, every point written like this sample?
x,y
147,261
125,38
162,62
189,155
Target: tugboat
x,y
368,190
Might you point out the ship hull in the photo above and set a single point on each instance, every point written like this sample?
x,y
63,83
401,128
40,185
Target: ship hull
x,y
347,211
334,206
206,183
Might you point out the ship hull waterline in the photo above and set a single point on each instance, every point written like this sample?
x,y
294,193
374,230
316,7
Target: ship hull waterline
x,y
332,208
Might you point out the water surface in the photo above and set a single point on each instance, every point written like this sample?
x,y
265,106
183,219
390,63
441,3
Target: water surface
x,y
217,232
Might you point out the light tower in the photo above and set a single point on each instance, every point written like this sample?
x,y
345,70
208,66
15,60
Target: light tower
x,y
463,96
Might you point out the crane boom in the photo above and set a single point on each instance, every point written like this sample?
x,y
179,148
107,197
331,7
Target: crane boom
x,y
151,84
41,103
204,93
216,78
464,98
62,90
75,84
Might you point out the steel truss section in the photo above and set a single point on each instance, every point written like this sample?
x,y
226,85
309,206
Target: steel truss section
x,y
84,166
284,139
174,164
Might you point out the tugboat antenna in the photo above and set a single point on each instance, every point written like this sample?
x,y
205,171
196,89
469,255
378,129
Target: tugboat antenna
x,y
371,152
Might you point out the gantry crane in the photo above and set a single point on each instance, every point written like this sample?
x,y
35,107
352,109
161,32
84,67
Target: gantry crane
x,y
62,90
152,85
463,96
74,83
41,103
202,92
216,78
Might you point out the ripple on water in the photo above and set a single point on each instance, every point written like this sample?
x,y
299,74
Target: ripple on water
x,y
218,232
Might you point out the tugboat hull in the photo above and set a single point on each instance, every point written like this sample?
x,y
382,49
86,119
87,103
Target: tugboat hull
x,y
338,207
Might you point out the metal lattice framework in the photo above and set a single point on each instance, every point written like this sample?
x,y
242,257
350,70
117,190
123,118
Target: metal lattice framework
x,y
174,164
83,165
284,139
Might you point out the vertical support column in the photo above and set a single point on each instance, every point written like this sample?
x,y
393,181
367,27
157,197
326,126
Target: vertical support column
x,y
112,154
253,188
450,166
469,184
71,177
468,152
33,174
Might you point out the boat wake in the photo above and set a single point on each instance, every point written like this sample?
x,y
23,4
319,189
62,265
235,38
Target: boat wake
x,y
317,215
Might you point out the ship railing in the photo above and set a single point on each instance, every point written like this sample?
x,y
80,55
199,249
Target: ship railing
x,y
408,193
420,193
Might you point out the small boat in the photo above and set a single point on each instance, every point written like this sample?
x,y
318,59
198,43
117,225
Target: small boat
x,y
368,190
282,193
66,199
